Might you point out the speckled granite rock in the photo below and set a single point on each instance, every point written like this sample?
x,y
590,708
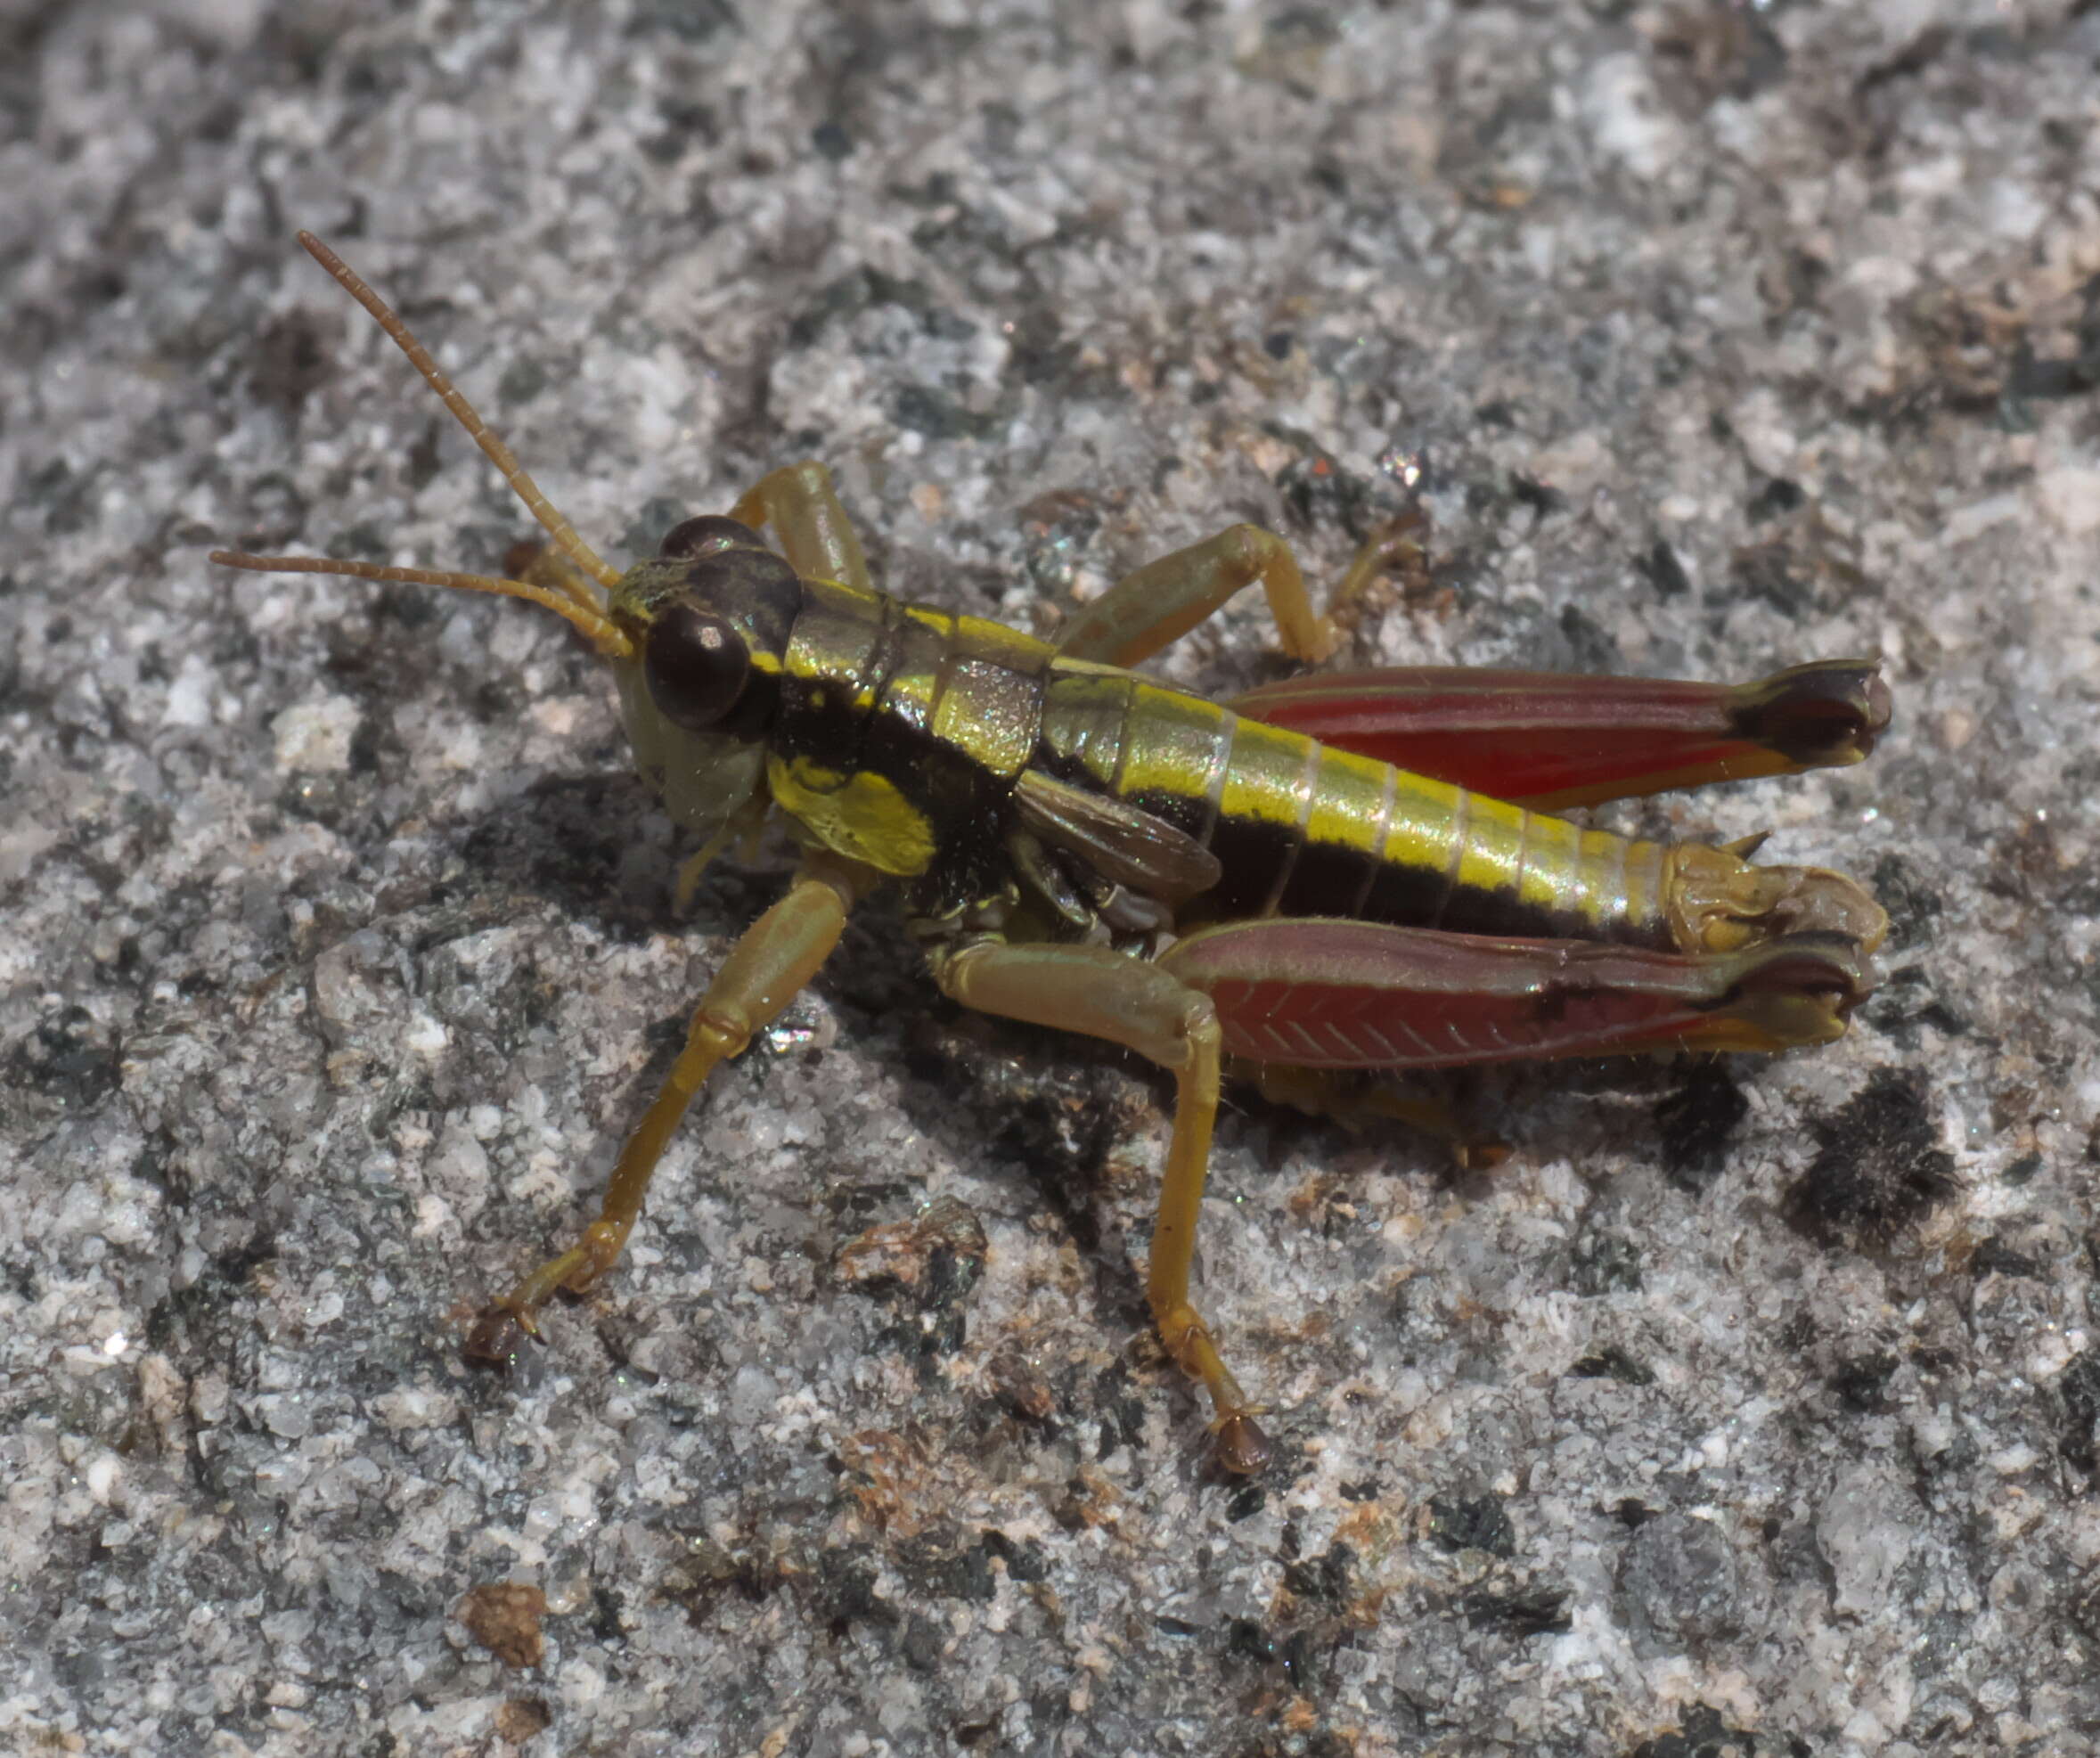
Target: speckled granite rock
x,y
1749,1408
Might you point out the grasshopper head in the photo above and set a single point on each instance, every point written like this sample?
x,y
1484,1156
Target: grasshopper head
x,y
694,634
707,617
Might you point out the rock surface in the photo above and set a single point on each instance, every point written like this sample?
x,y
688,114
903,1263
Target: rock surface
x,y
1748,1408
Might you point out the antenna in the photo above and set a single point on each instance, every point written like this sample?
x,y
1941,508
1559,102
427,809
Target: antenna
x,y
605,634
556,525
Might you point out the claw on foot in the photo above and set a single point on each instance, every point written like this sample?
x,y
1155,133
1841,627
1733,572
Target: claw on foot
x,y
1243,1449
1480,1153
498,1337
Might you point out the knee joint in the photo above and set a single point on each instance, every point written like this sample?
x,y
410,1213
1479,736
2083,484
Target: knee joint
x,y
725,1029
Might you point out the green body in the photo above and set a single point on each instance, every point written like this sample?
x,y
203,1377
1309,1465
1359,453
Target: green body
x,y
1019,795
905,738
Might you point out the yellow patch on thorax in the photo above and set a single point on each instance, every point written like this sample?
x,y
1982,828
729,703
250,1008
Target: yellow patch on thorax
x,y
860,815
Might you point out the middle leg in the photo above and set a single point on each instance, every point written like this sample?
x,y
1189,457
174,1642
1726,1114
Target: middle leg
x,y
1163,600
1108,994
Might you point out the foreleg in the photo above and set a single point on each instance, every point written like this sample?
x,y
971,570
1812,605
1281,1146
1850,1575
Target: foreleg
x,y
814,533
778,953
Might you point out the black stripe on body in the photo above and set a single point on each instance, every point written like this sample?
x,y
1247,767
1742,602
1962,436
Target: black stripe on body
x,y
1306,831
1331,879
834,651
944,709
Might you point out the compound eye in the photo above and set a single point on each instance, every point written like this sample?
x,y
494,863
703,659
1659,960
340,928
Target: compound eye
x,y
708,535
696,664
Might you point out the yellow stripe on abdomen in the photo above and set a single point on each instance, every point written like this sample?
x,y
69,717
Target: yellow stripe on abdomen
x,y
1175,746
1267,781
1306,830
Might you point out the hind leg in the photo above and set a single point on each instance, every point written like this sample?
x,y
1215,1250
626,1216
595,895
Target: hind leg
x,y
1356,1102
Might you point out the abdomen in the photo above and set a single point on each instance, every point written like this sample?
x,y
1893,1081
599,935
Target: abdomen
x,y
1305,831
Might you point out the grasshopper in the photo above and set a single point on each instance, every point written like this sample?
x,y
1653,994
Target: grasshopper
x,y
1347,873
